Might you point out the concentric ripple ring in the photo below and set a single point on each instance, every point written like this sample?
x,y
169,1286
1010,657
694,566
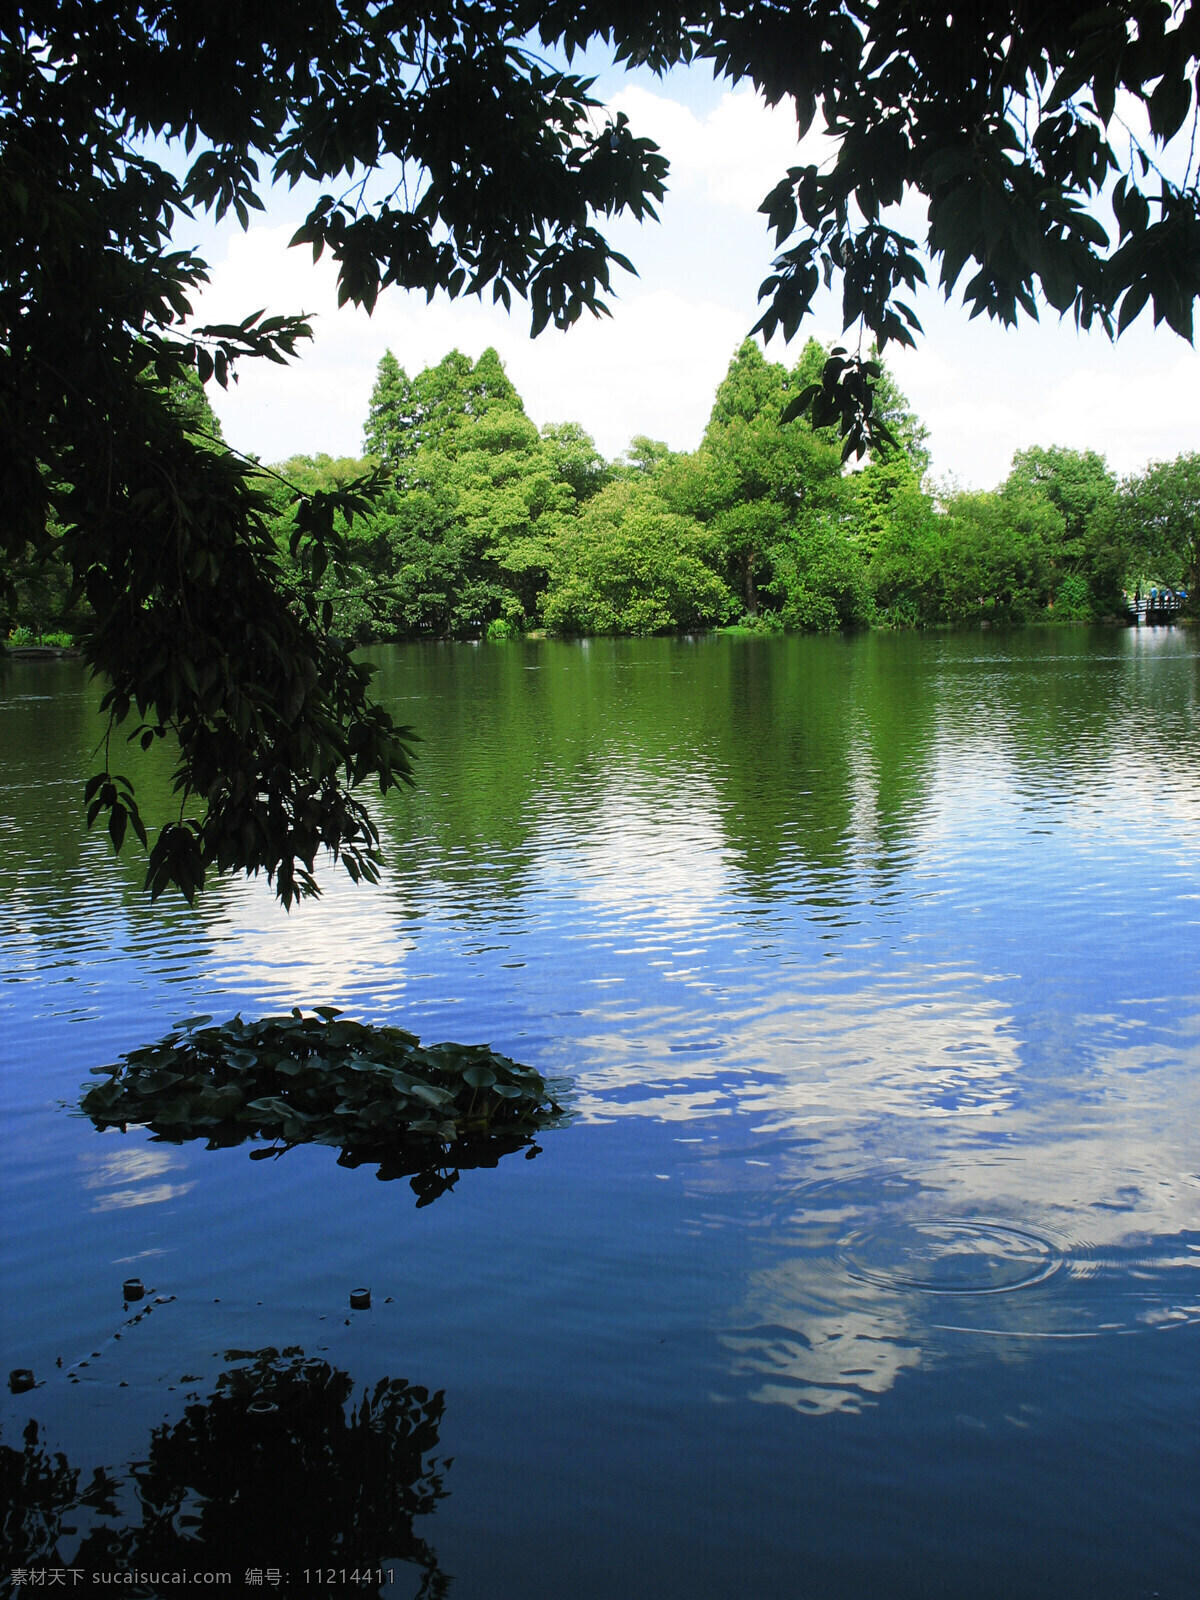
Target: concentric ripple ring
x,y
949,1256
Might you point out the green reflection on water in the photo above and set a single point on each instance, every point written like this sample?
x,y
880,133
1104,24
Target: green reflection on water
x,y
794,747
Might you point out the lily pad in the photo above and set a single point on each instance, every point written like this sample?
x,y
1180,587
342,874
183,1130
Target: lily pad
x,y
376,1093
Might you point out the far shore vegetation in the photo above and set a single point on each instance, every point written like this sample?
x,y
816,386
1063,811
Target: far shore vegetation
x,y
489,527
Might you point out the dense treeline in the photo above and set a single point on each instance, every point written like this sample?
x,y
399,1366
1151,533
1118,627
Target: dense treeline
x,y
489,525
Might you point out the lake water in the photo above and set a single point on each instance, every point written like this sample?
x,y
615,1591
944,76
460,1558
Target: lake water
x,y
870,1262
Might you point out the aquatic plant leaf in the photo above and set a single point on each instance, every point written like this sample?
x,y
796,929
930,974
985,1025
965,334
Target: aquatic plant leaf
x,y
430,1094
269,1109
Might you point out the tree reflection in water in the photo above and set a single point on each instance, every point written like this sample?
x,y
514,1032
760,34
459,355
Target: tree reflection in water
x,y
277,1468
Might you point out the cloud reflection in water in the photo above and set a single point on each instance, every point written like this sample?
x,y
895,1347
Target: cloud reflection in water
x,y
126,1176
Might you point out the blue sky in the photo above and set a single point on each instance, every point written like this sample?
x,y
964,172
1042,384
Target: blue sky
x,y
653,366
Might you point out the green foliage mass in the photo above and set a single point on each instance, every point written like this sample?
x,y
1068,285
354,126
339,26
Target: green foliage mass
x,y
406,414
628,564
461,538
372,1092
42,600
1159,518
769,490
487,526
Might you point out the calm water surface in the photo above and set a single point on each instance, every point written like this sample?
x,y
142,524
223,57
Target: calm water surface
x,y
870,1264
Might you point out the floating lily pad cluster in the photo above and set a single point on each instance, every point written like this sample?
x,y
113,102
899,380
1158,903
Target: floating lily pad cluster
x,y
375,1093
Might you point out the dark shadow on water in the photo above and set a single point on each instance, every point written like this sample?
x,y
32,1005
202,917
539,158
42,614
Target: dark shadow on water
x,y
430,1177
279,1468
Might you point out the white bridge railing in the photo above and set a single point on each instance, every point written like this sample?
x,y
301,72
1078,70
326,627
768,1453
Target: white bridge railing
x,y
1157,605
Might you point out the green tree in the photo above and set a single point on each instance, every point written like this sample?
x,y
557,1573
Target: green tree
x,y
627,564
894,524
1086,563
819,578
388,414
576,461
460,542
431,580
1075,481
510,503
350,589
406,415
762,485
645,455
872,493
1161,511
905,543
996,555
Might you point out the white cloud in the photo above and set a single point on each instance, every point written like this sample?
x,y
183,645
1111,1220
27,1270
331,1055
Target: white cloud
x,y
985,392
650,368
734,154
653,366
1130,416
